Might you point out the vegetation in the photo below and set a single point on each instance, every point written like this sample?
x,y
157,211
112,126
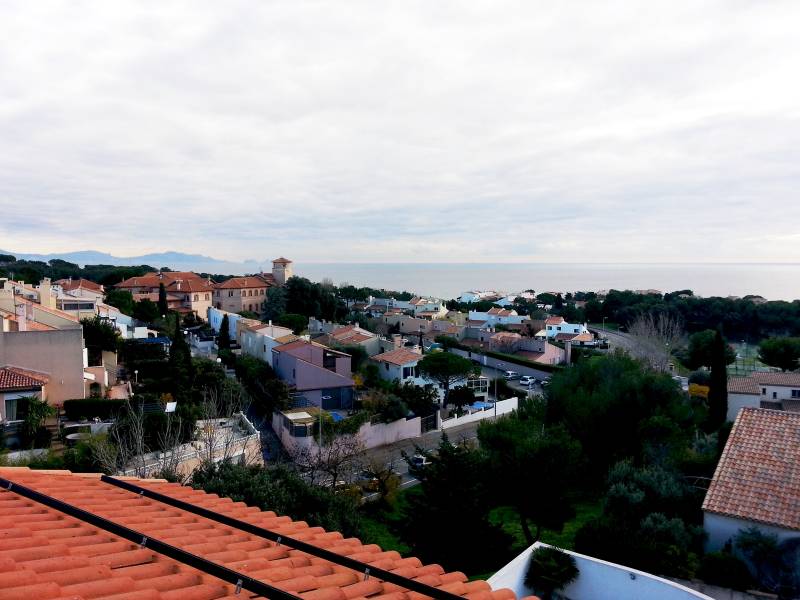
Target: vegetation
x,y
98,336
783,353
701,348
224,337
549,570
280,489
89,408
33,271
446,369
121,299
718,393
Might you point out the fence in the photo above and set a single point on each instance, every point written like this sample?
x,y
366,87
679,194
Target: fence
x,y
499,408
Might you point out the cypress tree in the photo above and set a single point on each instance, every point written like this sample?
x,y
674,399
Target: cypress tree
x,y
718,394
162,299
224,339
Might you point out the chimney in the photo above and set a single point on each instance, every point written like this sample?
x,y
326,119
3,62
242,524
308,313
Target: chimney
x,y
397,341
45,294
22,317
179,284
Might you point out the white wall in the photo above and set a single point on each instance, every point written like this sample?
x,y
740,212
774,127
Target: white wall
x,y
372,435
597,580
737,402
503,407
721,528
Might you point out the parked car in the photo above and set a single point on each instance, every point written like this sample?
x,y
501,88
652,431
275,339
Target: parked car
x,y
367,481
527,380
511,375
545,382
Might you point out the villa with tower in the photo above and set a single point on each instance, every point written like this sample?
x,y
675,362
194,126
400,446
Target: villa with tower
x,y
249,293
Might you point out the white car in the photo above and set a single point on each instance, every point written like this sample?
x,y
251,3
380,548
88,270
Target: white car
x,y
511,375
527,380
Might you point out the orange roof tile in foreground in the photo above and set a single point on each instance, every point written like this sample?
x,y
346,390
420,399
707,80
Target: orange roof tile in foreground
x,y
46,554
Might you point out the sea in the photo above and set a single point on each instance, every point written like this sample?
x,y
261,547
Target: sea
x,y
774,281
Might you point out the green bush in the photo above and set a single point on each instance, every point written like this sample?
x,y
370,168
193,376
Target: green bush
x,y
90,408
550,569
725,570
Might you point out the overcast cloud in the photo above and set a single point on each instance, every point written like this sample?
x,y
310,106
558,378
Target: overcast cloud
x,y
428,131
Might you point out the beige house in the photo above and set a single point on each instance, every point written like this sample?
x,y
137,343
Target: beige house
x,y
249,293
187,292
43,342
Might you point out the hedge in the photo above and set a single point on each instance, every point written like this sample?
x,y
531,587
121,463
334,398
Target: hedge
x,y
89,408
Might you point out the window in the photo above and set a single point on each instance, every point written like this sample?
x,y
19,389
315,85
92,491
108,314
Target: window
x,y
250,293
774,395
11,409
196,297
386,366
230,294
763,391
206,296
795,393
559,328
262,291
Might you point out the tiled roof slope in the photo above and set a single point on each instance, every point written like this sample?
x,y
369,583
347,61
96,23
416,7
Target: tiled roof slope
x,y
17,379
743,385
399,357
758,477
45,554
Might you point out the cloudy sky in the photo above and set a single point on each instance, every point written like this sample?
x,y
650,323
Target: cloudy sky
x,y
414,131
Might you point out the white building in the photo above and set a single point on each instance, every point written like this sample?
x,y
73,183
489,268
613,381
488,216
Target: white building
x,y
597,580
757,481
779,391
557,325
400,364
473,296
259,340
498,316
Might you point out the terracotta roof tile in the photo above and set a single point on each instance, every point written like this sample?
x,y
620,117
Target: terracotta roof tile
x,y
38,560
554,320
743,385
400,357
12,379
780,379
238,283
74,284
757,478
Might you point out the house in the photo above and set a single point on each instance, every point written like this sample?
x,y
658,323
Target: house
x,y
498,316
399,364
350,335
239,294
187,292
80,288
474,296
258,340
757,480
319,376
427,308
557,325
53,552
778,391
17,383
505,341
44,341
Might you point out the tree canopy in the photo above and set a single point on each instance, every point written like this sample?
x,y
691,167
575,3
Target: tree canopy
x,y
445,369
781,352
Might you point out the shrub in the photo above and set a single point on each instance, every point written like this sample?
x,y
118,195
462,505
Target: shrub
x,y
550,569
725,570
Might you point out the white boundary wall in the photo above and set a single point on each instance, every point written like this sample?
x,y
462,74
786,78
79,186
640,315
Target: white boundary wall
x,y
503,408
598,580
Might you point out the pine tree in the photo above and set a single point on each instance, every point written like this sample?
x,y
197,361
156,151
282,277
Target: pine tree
x,y
718,395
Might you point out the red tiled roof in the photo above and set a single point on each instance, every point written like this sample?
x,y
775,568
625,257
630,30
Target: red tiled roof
x,y
554,320
743,385
238,283
399,357
153,279
780,379
13,379
74,284
565,337
46,554
757,478
506,335
282,261
188,286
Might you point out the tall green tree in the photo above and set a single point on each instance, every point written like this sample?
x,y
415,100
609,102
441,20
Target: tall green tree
x,y
718,394
780,352
446,369
448,520
162,299
700,351
121,299
532,468
180,363
224,338
146,310
99,335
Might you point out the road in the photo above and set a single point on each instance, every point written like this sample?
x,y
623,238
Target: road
x,y
616,339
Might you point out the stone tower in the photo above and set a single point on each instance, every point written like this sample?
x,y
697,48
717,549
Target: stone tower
x,y
281,270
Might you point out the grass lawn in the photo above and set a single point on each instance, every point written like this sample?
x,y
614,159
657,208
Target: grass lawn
x,y
507,517
609,326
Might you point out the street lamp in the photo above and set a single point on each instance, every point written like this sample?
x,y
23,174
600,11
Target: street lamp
x,y
136,375
604,324
497,366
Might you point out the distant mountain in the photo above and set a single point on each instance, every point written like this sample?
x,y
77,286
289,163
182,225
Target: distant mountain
x,y
177,261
